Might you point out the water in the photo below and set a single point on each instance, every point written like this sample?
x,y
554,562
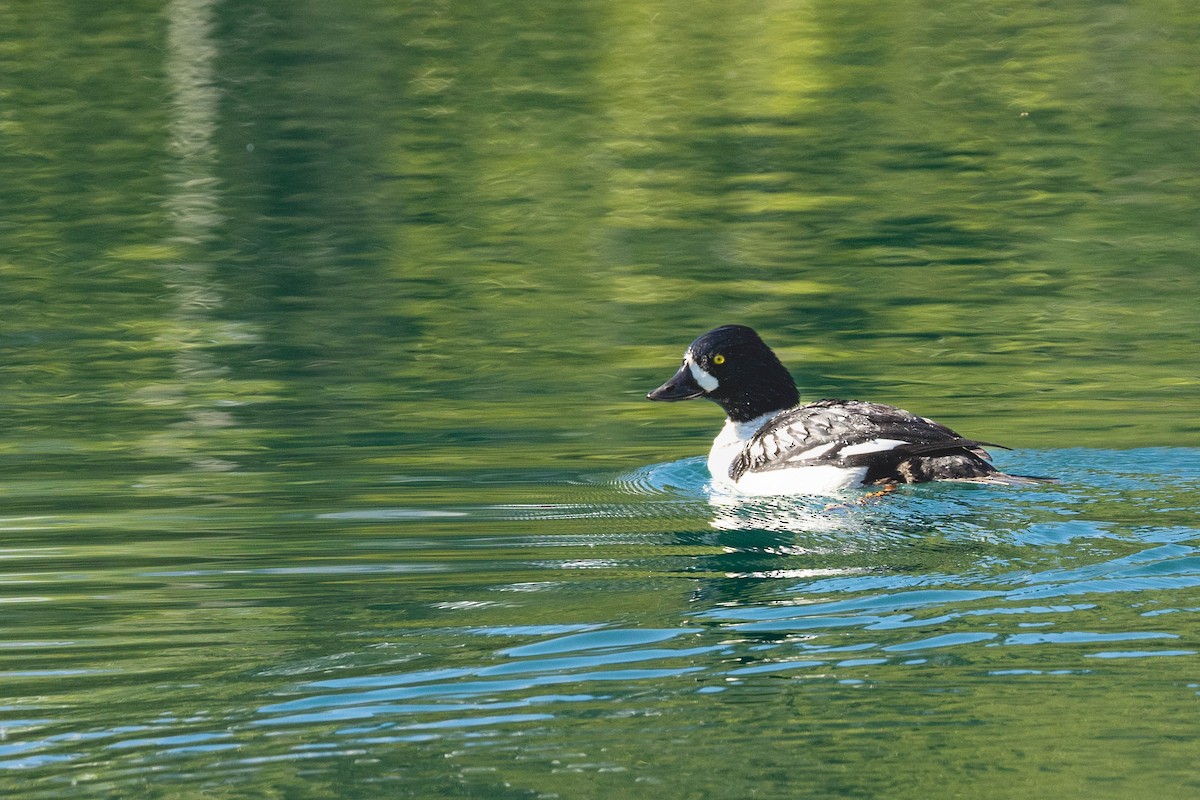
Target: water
x,y
613,640
327,471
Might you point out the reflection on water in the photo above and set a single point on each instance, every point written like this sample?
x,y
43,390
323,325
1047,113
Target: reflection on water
x,y
426,645
326,469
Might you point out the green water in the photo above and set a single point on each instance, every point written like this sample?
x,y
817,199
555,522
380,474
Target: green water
x,y
326,467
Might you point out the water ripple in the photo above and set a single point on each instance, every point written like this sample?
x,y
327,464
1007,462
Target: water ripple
x,y
665,601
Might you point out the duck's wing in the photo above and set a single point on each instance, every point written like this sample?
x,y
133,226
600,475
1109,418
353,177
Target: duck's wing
x,y
850,434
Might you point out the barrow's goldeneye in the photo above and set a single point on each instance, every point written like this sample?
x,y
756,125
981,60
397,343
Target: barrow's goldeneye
x,y
772,445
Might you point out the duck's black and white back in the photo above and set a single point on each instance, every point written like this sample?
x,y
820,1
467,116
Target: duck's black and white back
x,y
772,445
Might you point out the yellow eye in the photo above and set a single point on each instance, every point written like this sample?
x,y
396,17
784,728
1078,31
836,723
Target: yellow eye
x,y
718,359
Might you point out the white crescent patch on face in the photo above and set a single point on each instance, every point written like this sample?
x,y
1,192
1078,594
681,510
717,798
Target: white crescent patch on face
x,y
707,381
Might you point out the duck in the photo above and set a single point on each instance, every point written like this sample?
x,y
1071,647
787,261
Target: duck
x,y
773,445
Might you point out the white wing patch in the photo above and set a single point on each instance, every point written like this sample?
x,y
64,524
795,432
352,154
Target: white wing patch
x,y
873,446
780,448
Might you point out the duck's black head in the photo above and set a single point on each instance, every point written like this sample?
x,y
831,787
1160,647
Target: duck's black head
x,y
732,367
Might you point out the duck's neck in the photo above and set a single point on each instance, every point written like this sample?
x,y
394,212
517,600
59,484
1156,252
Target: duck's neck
x,y
754,399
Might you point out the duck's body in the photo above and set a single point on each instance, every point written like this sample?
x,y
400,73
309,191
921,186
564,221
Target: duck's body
x,y
832,445
772,445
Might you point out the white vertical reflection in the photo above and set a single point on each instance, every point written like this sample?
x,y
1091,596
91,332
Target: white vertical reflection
x,y
193,201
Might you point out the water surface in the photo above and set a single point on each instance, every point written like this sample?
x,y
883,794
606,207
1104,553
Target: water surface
x,y
327,470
